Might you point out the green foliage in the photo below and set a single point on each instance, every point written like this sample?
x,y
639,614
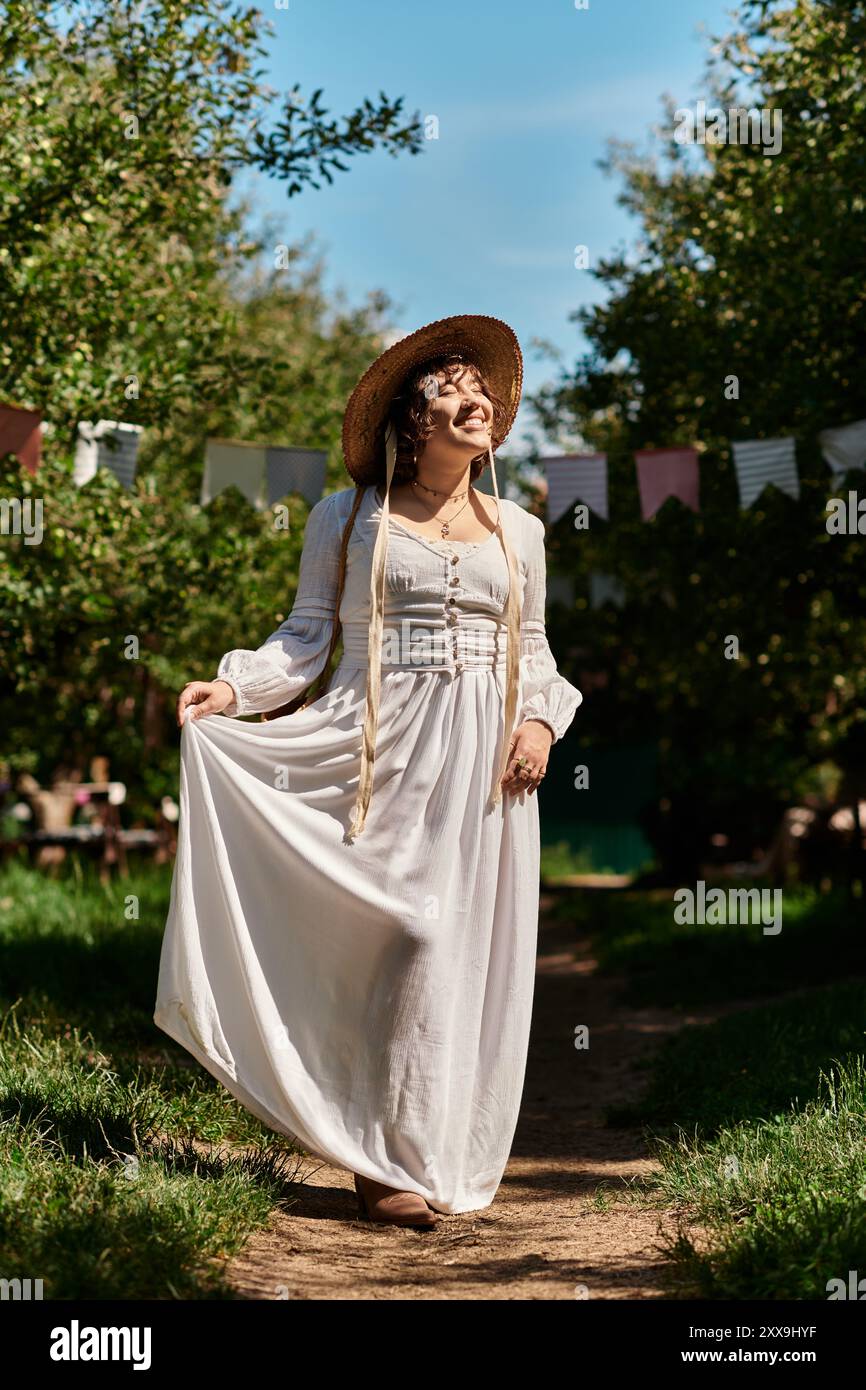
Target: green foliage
x,y
125,1170
122,131
673,963
130,288
753,266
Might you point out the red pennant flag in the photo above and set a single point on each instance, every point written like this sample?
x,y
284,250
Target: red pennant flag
x,y
664,473
20,435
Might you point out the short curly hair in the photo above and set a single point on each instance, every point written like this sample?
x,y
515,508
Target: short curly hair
x,y
412,415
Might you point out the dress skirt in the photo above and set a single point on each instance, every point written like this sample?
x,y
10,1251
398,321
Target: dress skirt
x,y
370,998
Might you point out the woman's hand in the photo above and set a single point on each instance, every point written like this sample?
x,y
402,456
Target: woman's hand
x,y
531,741
209,697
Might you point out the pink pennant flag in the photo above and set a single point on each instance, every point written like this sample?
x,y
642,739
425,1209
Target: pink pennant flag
x,y
21,435
664,473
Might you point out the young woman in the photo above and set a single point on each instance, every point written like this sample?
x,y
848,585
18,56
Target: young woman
x,y
350,947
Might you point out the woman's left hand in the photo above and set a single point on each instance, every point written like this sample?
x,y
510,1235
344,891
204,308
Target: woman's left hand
x,y
531,741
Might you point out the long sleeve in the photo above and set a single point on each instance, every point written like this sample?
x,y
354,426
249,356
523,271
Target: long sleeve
x,y
546,694
294,655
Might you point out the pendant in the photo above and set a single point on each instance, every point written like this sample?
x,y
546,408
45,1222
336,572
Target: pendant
x,y
445,529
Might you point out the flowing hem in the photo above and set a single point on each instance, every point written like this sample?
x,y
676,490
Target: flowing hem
x,y
170,1021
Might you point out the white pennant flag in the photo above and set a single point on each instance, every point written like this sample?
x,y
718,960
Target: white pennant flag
x,y
295,470
107,444
575,478
605,588
560,589
844,449
762,461
230,462
484,481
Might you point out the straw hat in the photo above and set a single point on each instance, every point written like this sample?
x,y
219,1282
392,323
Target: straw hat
x,y
370,452
488,342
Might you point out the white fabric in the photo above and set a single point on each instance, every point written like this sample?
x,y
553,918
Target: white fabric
x,y
108,444
371,998
231,463
572,478
844,449
295,470
762,461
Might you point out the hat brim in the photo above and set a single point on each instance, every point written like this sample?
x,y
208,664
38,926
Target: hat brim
x,y
487,341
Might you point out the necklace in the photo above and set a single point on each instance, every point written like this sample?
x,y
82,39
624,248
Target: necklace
x,y
445,526
453,495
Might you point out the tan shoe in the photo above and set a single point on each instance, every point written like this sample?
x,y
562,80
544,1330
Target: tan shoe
x,y
387,1206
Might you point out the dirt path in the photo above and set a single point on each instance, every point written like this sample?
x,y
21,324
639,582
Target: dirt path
x,y
551,1232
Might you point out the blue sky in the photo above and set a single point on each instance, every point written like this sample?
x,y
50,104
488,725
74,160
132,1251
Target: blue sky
x,y
527,95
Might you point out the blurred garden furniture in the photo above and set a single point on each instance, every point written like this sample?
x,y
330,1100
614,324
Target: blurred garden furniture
x,y
821,843
45,816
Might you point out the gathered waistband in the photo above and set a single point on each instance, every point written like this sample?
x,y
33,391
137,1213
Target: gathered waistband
x,y
413,645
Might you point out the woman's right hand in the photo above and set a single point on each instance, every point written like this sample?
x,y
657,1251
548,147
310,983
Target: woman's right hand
x,y
209,697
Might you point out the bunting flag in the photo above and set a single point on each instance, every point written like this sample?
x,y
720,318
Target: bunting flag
x,y
484,482
560,589
107,444
844,449
664,473
604,588
230,462
762,461
20,434
575,478
295,470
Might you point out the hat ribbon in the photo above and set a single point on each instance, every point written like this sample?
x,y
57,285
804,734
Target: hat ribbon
x,y
374,645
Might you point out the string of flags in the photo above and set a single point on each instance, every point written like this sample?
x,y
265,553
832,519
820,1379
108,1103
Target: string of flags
x,y
664,473
265,473
21,435
603,588
107,444
262,472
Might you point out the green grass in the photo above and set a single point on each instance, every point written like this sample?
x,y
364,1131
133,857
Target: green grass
x,y
126,1170
752,1063
823,939
559,860
781,1200
758,1119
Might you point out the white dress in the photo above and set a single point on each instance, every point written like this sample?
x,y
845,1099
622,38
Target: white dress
x,y
370,998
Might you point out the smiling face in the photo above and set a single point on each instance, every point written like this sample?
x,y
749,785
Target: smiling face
x,y
460,412
446,406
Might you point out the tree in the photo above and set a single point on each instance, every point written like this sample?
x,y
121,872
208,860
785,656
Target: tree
x,y
132,288
122,129
750,266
